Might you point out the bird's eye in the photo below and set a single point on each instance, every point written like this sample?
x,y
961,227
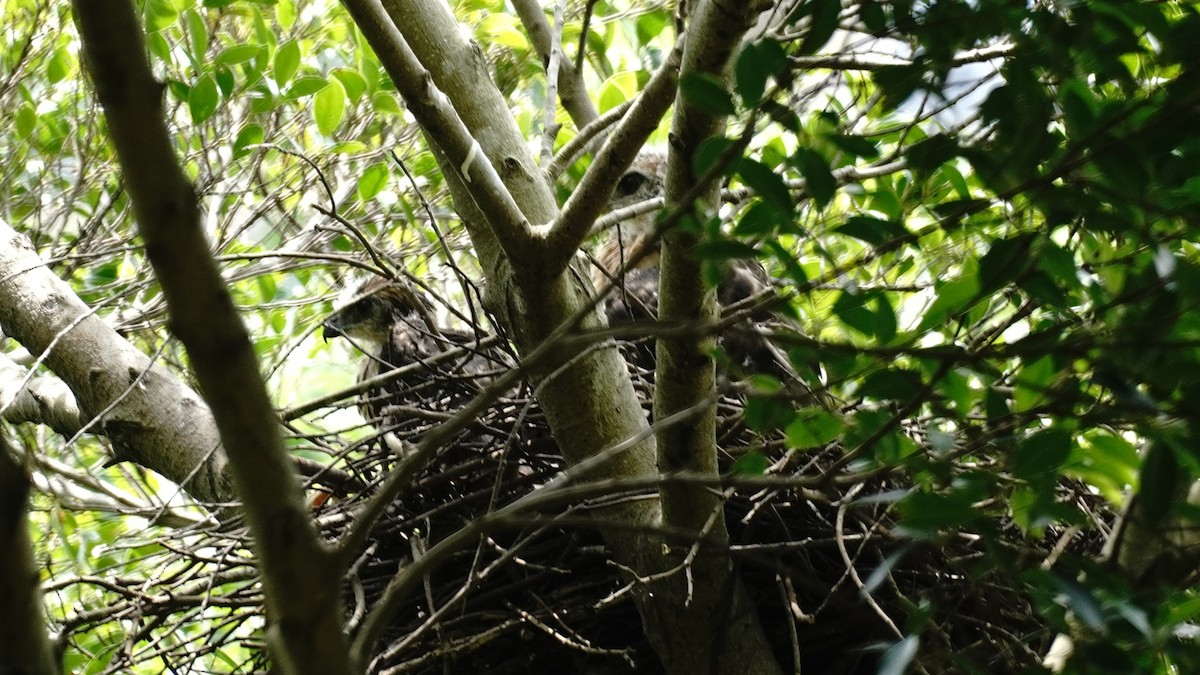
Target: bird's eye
x,y
630,183
356,312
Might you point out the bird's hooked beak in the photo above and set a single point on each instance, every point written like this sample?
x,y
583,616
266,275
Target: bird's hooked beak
x,y
330,329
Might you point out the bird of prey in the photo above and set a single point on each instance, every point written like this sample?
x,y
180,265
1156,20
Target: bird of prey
x,y
442,369
633,246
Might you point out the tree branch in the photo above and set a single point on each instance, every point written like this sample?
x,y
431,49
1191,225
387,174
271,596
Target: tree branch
x,y
572,93
685,376
440,120
161,424
300,579
591,197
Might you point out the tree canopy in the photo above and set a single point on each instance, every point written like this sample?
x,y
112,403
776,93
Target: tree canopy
x,y
974,452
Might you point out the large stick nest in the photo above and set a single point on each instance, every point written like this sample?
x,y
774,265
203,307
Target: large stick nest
x,y
834,581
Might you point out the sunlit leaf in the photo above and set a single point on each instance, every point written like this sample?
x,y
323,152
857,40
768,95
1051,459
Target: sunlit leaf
x,y
372,181
352,82
329,107
60,65
203,99
287,62
26,120
952,297
238,54
197,35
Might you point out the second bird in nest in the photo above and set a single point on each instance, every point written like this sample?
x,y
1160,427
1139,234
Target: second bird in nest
x,y
633,246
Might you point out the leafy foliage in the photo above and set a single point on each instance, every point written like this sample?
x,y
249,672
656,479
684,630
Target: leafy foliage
x,y
982,214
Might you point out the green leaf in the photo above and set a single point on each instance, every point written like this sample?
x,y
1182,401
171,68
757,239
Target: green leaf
x,y
1005,260
852,310
957,209
159,14
203,99
885,319
768,184
26,120
231,56
1059,264
287,62
757,62
353,83
758,220
825,14
225,80
750,75
309,84
725,249
752,463
1033,380
898,384
813,427
650,25
197,35
932,152
929,512
329,107
857,146
60,65
707,94
1158,483
385,102
873,17
952,298
372,181
767,415
818,179
1080,600
251,134
872,230
618,89
502,29
1041,454
897,83
285,13
710,152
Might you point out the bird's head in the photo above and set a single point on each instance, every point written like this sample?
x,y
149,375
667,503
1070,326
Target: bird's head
x,y
643,181
367,310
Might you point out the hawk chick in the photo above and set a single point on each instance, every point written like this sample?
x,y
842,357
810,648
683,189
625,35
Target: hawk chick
x,y
635,297
444,369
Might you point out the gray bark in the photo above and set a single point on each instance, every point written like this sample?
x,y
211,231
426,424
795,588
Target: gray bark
x,y
300,576
152,418
588,399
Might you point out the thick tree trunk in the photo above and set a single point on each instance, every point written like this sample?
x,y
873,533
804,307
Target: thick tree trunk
x,y
24,643
588,398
